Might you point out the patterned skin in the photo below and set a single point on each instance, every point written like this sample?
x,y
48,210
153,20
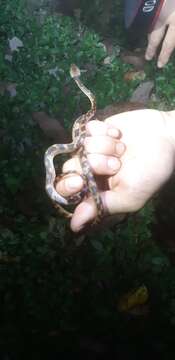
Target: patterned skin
x,y
76,147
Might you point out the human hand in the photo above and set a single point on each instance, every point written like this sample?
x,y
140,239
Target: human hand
x,y
147,163
164,29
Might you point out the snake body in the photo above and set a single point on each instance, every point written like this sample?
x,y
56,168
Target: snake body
x,y
76,146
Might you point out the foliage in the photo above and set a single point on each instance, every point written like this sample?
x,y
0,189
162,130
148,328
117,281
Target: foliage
x,y
49,278
165,83
104,16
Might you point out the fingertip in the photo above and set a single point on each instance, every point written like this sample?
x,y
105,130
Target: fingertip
x,y
69,185
84,213
112,165
114,132
120,148
104,165
148,57
150,52
96,127
101,128
160,65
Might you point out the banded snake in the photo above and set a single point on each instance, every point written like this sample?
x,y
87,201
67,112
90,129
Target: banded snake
x,y
75,147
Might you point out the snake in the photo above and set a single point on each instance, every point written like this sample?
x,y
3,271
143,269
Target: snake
x,y
76,147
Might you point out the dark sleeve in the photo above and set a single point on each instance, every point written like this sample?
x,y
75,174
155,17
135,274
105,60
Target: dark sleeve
x,y
130,9
140,17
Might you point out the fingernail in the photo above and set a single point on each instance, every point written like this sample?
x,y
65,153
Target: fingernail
x,y
148,57
160,64
120,148
113,132
113,164
74,182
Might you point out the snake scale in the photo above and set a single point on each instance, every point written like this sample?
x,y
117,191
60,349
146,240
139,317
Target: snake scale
x,y
75,147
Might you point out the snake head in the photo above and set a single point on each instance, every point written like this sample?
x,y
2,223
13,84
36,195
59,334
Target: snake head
x,y
74,71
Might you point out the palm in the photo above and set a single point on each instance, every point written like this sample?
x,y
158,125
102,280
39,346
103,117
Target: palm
x,y
147,162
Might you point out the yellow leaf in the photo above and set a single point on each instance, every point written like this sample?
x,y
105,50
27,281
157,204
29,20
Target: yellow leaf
x,y
133,298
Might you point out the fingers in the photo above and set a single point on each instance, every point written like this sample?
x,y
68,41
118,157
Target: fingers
x,y
167,47
104,145
84,213
100,164
100,128
154,40
104,165
69,185
102,152
113,202
168,44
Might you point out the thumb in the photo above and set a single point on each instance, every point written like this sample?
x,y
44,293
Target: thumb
x,y
113,202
